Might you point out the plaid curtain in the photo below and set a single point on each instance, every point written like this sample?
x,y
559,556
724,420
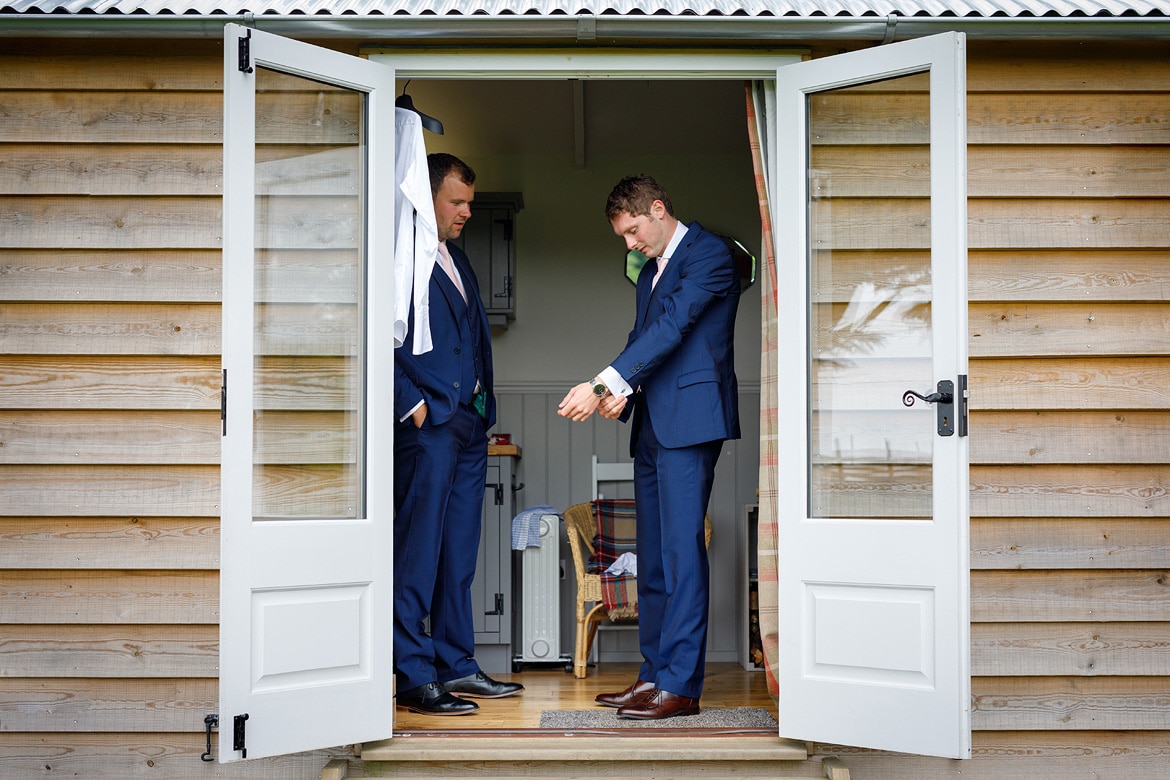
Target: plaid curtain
x,y
757,122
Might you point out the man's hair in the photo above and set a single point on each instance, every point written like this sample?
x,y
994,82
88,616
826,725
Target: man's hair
x,y
442,165
634,195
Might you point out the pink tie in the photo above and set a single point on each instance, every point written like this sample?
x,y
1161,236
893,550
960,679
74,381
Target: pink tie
x,y
449,267
661,267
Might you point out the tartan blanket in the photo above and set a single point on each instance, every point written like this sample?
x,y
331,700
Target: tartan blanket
x,y
616,534
620,596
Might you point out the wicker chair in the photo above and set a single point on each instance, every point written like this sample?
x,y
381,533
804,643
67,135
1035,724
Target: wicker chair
x,y
591,611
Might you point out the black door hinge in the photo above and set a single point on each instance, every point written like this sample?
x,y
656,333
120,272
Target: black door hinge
x,y
499,493
223,404
499,610
245,53
238,741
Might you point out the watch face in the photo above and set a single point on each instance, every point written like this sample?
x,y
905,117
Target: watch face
x,y
599,389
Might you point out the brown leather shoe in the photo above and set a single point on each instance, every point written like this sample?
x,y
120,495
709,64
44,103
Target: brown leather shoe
x,y
660,704
636,691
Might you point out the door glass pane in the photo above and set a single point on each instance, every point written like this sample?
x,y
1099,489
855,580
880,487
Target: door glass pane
x,y
870,293
309,307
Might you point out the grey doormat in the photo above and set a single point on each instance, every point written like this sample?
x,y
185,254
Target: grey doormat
x,y
606,718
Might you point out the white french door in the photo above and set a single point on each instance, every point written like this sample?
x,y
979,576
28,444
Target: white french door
x,y
306,528
870,216
871,227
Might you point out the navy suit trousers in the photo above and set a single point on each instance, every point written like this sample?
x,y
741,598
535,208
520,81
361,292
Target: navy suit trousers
x,y
671,489
439,475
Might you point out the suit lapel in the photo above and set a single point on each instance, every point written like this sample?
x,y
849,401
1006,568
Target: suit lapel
x,y
666,281
449,290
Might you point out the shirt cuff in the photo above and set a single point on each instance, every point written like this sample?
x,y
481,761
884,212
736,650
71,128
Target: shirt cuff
x,y
613,380
414,409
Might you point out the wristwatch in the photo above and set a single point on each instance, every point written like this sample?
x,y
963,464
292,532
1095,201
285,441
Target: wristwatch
x,y
599,388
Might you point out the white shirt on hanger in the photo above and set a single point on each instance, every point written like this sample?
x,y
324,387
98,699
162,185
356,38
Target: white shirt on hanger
x,y
416,235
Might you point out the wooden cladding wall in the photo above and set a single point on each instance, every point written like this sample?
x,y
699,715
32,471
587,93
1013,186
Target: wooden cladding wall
x,y
110,291
110,274
1069,284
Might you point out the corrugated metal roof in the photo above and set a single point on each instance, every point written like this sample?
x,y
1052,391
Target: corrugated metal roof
x,y
707,8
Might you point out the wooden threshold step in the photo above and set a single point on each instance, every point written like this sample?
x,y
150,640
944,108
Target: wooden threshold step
x,y
577,756
584,748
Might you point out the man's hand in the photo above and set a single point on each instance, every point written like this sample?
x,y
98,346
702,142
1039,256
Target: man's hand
x,y
579,404
611,406
419,415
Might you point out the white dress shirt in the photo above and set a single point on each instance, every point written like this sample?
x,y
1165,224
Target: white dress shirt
x,y
416,235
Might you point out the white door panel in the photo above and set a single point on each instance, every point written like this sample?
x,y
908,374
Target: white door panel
x,y
306,529
870,215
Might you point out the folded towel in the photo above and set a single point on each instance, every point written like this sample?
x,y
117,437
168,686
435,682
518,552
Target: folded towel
x,y
626,563
526,526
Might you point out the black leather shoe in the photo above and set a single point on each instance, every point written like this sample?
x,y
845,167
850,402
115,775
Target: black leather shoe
x,y
480,686
431,699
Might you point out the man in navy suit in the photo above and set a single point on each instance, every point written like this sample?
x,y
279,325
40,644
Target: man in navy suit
x,y
676,378
444,404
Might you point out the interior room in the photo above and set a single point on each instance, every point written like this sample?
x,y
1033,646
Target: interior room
x,y
561,145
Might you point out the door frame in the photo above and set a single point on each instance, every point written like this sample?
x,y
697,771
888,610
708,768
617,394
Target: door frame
x,y
570,64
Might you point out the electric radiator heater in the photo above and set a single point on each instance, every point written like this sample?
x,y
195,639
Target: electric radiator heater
x,y
540,596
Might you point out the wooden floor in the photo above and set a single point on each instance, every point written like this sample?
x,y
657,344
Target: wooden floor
x,y
552,688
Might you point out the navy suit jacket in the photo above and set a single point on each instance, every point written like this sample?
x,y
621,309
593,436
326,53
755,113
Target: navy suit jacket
x,y
439,376
680,351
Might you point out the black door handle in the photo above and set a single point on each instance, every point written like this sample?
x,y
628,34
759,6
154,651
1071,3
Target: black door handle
x,y
944,398
909,396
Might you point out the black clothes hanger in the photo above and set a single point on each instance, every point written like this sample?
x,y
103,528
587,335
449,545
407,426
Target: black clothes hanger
x,y
428,122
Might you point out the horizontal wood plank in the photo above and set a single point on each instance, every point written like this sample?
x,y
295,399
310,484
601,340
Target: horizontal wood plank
x,y
1004,223
141,276
109,543
1069,596
185,65
1117,490
874,117
292,111
113,116
1125,436
102,382
116,222
1070,649
1066,170
110,329
114,597
1024,755
1069,543
999,66
1060,329
126,651
1042,703
110,436
140,170
1032,275
152,754
1087,223
101,437
89,491
1069,275
1070,383
1089,171
148,704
